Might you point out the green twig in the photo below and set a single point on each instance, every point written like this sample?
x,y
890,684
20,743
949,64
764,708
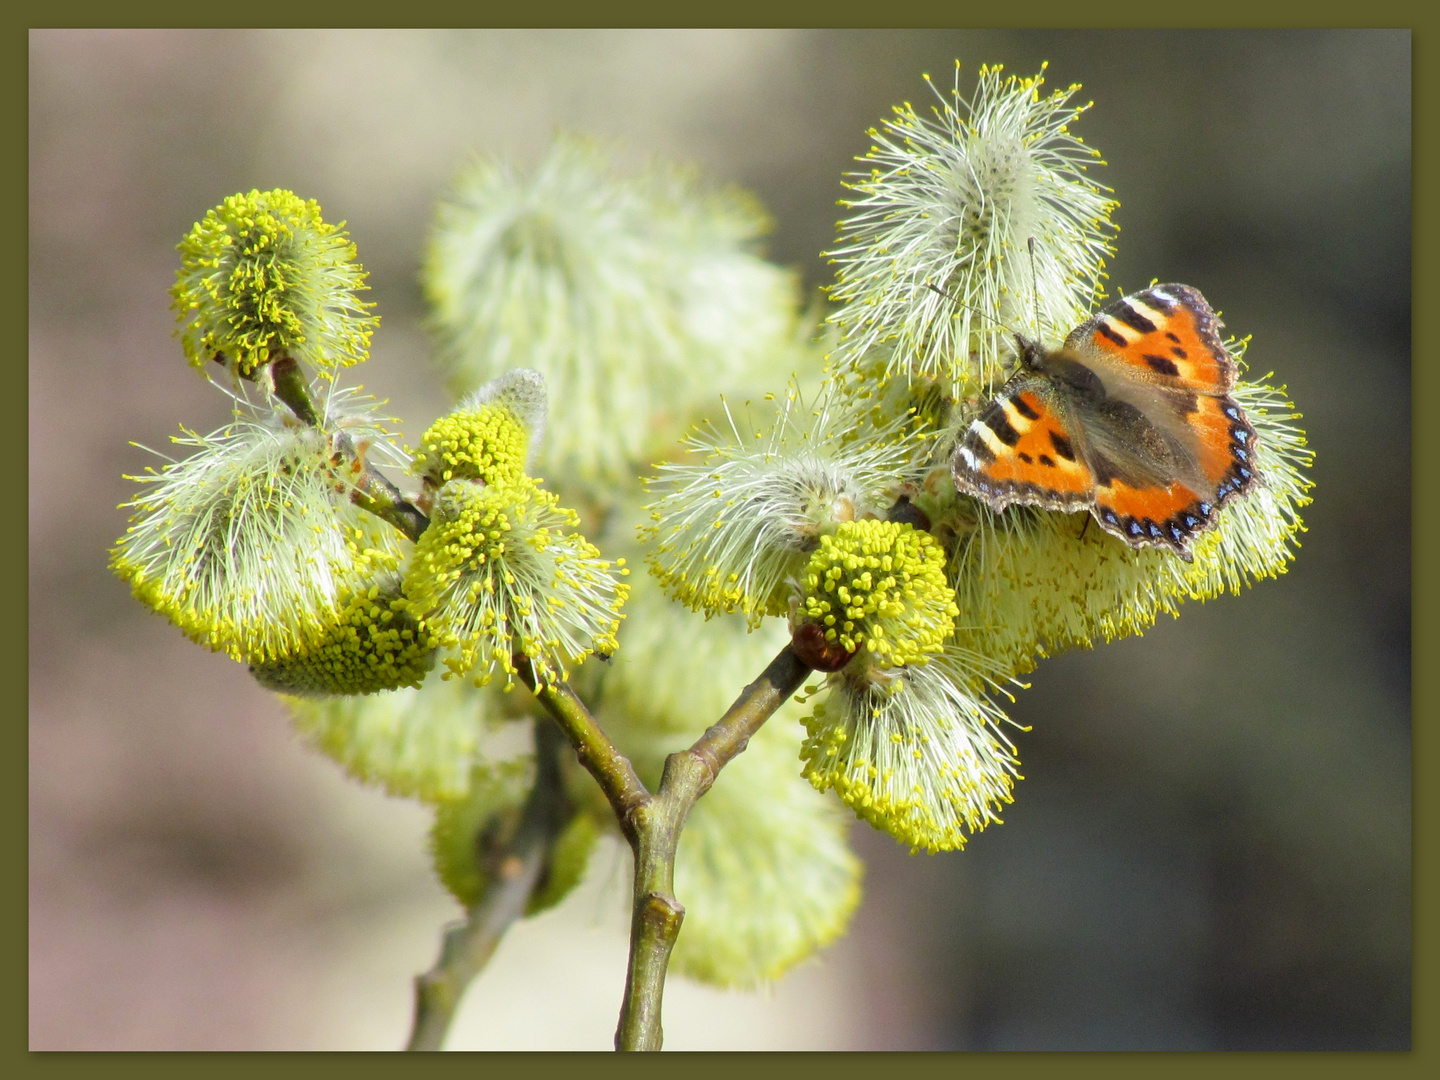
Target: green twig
x,y
289,384
652,823
611,769
374,493
371,490
512,866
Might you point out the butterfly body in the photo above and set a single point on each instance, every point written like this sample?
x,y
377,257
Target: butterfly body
x,y
1130,419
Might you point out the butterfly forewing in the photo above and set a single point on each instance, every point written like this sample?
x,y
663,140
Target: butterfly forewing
x,y
1164,336
1023,449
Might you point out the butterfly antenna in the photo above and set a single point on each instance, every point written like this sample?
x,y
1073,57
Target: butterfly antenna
x,y
1035,289
961,303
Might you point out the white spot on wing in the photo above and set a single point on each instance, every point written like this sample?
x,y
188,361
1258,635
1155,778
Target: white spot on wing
x,y
1017,419
1156,317
990,439
1115,326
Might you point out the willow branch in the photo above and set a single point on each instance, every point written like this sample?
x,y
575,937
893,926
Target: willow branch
x,y
371,491
657,915
289,385
652,823
512,867
374,493
729,735
611,769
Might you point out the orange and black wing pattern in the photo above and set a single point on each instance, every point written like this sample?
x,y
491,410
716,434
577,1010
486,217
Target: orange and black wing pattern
x,y
1021,449
1166,336
1161,346
1131,419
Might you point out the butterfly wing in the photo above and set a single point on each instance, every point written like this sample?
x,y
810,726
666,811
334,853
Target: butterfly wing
x,y
1167,408
1164,336
1023,449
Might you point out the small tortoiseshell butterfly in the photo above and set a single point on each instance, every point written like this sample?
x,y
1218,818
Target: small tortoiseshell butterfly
x,y
1130,419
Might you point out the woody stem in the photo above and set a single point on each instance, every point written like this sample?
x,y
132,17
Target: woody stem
x,y
513,866
653,823
372,491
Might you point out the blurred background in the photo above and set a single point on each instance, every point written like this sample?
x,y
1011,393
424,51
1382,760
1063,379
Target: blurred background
x,y
1211,847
